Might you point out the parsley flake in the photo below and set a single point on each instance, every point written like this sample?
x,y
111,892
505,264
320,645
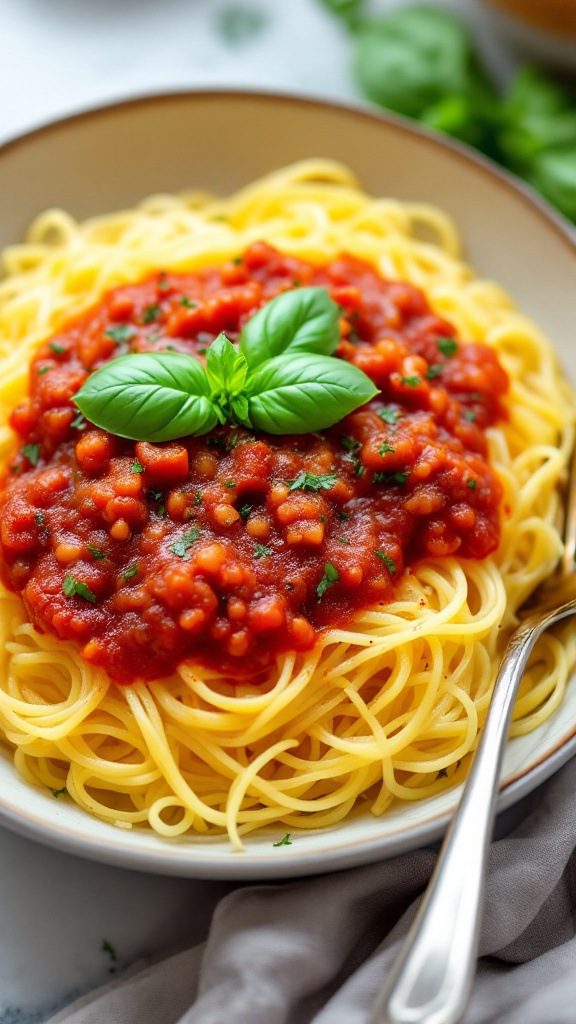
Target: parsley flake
x,y
198,499
187,303
129,574
389,562
260,551
180,547
237,261
447,346
136,467
39,518
107,947
471,483
329,578
229,483
285,841
310,482
73,587
151,313
245,511
44,369
31,452
343,516
120,332
57,348
343,540
78,422
389,415
434,371
385,448
59,792
411,382
390,478
97,554
469,415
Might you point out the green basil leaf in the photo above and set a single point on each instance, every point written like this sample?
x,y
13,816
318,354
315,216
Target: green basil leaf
x,y
303,320
227,368
150,396
302,393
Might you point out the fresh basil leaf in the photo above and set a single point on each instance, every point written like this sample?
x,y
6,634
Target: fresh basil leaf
x,y
303,320
227,368
149,396
302,393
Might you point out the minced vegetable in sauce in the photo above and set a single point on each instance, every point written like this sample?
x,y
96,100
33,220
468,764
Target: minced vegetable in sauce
x,y
234,545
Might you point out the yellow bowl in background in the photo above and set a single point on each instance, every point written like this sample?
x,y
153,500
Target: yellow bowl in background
x,y
544,30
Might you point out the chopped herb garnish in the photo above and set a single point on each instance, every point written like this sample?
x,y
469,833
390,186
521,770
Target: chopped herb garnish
x,y
185,301
202,350
343,540
245,511
390,478
447,346
161,510
411,382
57,348
73,587
389,562
434,371
237,261
31,452
180,547
469,415
151,313
389,415
59,792
78,422
136,467
385,448
44,369
229,483
296,284
471,483
98,555
330,576
129,574
350,444
216,442
120,332
310,482
343,516
155,495
39,518
322,518
107,947
198,499
260,551
285,841
163,284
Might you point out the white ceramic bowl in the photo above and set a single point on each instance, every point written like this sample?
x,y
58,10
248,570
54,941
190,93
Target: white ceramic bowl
x,y
105,159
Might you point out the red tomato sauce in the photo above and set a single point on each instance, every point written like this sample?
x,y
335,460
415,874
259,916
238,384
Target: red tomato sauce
x,y
233,546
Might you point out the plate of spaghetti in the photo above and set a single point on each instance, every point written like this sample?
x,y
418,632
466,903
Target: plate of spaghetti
x,y
280,462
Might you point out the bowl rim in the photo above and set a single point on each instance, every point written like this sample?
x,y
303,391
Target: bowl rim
x,y
355,851
361,108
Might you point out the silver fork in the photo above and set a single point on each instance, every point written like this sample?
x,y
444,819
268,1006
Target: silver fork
x,y
432,978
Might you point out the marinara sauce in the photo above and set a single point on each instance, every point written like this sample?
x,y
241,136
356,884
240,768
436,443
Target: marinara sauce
x,y
235,545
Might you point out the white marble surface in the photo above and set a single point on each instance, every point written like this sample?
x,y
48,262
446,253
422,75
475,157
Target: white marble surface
x,y
57,56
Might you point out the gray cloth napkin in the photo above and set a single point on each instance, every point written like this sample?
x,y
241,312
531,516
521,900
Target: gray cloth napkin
x,y
315,951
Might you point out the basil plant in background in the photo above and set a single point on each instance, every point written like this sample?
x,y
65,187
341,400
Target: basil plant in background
x,y
419,61
282,378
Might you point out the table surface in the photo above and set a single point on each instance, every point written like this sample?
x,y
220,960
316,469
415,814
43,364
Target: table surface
x,y
67,925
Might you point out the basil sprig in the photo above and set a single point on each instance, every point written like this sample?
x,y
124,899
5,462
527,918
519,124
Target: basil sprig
x,y
281,379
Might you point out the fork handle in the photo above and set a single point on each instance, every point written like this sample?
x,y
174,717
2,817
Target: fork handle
x,y
431,981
